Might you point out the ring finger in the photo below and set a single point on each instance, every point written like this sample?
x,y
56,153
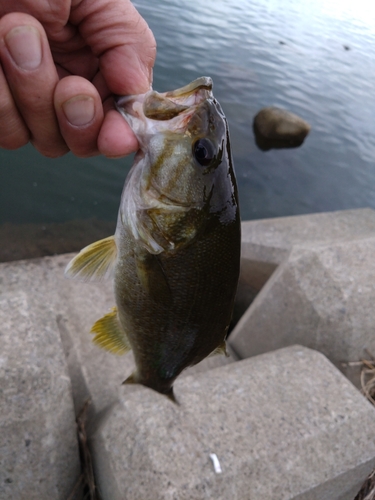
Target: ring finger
x,y
13,130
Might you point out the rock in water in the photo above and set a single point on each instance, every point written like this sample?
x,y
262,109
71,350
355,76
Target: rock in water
x,y
277,128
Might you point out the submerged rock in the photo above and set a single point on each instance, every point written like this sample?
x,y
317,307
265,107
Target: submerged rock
x,y
277,128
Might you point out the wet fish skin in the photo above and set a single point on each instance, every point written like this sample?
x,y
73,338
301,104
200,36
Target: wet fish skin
x,y
176,251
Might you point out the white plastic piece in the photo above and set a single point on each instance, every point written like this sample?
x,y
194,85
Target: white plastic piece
x,y
216,463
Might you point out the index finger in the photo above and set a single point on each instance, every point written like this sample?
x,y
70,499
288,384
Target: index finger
x,y
121,38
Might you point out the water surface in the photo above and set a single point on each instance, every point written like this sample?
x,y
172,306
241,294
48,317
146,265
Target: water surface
x,y
287,53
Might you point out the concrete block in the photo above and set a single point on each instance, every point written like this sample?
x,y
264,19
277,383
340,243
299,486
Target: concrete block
x,y
38,446
285,425
209,364
321,297
270,240
267,243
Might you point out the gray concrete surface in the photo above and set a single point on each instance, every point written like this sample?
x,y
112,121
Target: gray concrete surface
x,y
270,240
321,294
38,446
284,425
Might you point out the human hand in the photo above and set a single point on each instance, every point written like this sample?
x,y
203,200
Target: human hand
x,y
60,62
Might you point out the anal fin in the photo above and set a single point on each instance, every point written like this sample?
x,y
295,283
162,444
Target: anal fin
x,y
94,262
220,349
132,379
110,335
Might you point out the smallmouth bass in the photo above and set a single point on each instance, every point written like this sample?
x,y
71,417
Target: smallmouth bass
x,y
175,255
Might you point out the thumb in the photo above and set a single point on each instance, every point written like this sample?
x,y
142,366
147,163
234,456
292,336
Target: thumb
x,y
121,39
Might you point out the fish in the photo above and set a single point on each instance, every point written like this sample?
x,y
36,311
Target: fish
x,y
175,255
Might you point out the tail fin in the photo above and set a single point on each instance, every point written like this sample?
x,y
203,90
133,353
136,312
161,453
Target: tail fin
x,y
133,379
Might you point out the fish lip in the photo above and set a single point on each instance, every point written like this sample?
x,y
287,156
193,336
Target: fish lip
x,y
199,87
203,82
132,107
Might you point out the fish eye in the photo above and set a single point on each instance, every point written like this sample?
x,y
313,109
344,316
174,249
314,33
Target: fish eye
x,y
204,152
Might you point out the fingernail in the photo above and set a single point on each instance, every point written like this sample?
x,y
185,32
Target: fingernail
x,y
24,46
79,110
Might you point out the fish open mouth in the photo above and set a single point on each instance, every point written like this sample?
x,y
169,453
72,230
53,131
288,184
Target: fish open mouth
x,y
202,83
167,105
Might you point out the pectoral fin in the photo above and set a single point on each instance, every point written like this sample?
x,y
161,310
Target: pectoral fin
x,y
94,262
110,335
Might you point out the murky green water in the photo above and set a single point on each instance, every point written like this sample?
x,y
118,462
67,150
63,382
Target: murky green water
x,y
237,43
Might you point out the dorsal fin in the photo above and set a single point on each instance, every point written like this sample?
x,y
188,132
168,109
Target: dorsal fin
x,y
94,262
110,335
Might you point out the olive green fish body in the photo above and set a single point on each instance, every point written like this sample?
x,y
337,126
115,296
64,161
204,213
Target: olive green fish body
x,y
176,251
176,307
